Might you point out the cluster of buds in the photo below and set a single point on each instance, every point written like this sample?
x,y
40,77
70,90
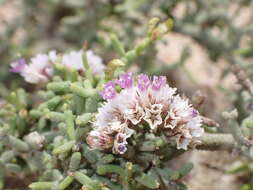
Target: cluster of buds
x,y
148,102
41,68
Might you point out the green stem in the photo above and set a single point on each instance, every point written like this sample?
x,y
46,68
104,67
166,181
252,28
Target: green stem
x,y
88,70
70,124
82,178
216,142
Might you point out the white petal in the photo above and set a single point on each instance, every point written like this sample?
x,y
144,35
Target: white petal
x,y
73,60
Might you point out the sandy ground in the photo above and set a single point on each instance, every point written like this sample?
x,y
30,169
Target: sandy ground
x,y
209,171
204,73
8,13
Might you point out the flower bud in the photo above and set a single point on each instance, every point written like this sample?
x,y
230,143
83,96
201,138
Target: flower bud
x,y
99,140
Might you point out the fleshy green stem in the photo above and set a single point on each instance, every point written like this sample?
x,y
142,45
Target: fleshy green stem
x,y
216,142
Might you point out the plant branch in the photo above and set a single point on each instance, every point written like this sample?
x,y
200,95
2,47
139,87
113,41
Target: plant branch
x,y
216,141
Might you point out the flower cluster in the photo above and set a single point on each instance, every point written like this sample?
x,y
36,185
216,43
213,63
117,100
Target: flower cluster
x,y
143,101
38,71
41,68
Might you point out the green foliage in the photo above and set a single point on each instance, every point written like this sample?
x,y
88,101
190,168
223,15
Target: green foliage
x,y
47,140
68,104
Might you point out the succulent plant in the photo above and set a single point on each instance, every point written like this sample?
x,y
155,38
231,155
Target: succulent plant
x,y
46,137
83,124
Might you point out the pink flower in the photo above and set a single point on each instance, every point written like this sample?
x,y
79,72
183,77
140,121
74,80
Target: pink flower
x,y
143,82
195,112
158,82
109,91
120,148
74,60
95,62
125,80
18,66
40,70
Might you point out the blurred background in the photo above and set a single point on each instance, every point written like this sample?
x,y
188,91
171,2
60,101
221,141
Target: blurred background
x,y
208,37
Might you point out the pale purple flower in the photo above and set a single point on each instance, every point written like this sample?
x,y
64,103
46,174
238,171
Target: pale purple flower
x,y
40,70
95,62
181,107
52,55
151,103
109,91
18,66
74,60
195,112
40,60
120,148
125,80
158,82
143,82
120,143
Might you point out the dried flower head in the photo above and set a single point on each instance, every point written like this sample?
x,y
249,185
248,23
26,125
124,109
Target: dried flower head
x,y
149,102
99,140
